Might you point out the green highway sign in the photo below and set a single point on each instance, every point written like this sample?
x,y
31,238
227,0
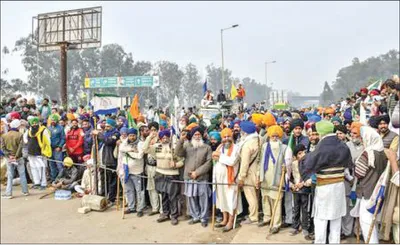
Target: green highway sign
x,y
122,82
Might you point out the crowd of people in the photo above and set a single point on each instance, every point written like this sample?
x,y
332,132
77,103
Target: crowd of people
x,y
315,170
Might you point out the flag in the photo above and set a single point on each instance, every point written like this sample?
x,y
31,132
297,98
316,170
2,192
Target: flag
x,y
134,109
375,85
105,103
205,87
126,173
379,192
234,92
131,121
289,159
176,102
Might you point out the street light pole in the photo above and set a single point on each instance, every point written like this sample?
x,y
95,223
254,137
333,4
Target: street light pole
x,y
266,78
222,53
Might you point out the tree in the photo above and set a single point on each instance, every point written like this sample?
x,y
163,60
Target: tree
x,y
191,86
170,81
214,79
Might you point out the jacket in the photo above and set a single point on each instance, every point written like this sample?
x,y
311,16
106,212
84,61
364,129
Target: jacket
x,y
196,159
57,136
11,144
162,154
88,141
42,137
70,175
249,151
132,155
109,140
75,140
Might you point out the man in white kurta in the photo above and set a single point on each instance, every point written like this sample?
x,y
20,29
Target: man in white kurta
x,y
328,162
225,169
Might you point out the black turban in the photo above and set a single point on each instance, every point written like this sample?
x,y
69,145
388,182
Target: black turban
x,y
296,122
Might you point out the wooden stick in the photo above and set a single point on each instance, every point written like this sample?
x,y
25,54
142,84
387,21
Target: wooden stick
x,y
279,197
358,230
123,201
117,193
371,227
235,213
213,210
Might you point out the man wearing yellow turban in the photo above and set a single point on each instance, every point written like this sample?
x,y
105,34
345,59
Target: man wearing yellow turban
x,y
225,171
270,170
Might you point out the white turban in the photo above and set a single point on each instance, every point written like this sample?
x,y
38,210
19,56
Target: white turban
x,y
15,123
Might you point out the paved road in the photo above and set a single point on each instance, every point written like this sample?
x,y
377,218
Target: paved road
x,y
30,219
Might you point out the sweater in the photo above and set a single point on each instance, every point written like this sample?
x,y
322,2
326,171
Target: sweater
x,y
57,136
162,154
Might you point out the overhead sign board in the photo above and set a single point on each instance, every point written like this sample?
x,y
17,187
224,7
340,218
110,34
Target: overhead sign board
x,y
122,82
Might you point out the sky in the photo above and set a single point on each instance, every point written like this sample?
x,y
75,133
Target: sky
x,y
310,41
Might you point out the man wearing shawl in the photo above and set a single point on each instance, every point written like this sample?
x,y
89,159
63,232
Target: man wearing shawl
x,y
368,168
197,168
271,162
151,164
356,148
249,169
57,143
328,161
39,148
225,170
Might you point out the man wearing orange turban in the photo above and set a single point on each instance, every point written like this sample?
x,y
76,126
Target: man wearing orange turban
x,y
270,171
257,119
225,171
269,119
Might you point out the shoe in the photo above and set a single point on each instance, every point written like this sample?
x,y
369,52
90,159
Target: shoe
x,y
35,187
219,225
174,221
192,222
162,218
25,194
247,222
140,214
285,225
42,188
274,230
204,224
262,224
129,211
153,213
6,196
294,232
226,229
110,204
308,238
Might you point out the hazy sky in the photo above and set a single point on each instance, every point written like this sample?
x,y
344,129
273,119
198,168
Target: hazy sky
x,y
310,41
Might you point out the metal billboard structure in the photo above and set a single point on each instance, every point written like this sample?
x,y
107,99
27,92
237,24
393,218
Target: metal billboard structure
x,y
70,29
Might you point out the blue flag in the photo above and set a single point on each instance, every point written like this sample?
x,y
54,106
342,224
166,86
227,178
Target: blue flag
x,y
205,87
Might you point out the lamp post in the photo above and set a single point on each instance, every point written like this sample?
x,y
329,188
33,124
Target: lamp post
x,y
266,79
222,53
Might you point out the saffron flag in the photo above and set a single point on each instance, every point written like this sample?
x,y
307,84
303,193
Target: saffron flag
x,y
205,87
234,92
134,109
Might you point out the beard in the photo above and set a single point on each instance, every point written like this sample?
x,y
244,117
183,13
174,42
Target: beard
x,y
356,141
214,146
314,142
274,145
182,126
383,130
197,143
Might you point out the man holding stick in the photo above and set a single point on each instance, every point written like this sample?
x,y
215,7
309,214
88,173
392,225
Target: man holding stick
x,y
167,170
225,171
270,174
